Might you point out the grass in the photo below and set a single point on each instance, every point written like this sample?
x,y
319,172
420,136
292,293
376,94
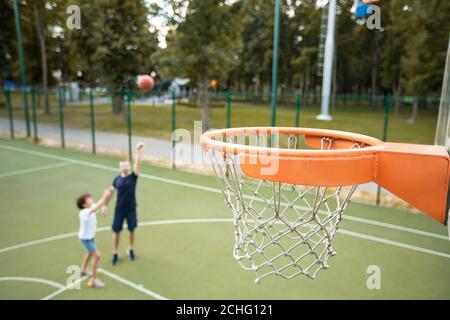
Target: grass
x,y
191,260
156,121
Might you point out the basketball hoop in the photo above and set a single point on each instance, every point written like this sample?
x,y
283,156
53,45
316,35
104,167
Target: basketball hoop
x,y
288,189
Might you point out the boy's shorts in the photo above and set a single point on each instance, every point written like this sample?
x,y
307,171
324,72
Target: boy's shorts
x,y
89,245
119,218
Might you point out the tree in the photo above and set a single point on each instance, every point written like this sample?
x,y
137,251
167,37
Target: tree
x,y
254,65
305,28
114,44
393,47
8,48
40,26
424,59
204,46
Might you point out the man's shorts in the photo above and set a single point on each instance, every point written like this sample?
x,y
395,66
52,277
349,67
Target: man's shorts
x,y
120,216
89,245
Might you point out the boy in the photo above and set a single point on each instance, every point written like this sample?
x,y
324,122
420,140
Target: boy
x,y
86,234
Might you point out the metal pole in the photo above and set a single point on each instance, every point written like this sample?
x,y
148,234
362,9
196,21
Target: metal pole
x,y
387,111
174,126
130,147
22,66
91,106
10,113
276,36
328,67
61,116
229,109
297,110
33,110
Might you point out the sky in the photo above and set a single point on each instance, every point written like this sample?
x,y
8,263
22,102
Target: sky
x,y
159,23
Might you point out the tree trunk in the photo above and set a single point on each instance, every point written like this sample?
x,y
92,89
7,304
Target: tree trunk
x,y
118,105
397,92
334,81
307,81
415,110
41,34
204,101
373,100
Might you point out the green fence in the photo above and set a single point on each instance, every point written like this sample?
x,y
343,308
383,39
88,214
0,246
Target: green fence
x,y
157,114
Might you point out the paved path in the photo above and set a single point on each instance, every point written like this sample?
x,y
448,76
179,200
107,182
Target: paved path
x,y
156,149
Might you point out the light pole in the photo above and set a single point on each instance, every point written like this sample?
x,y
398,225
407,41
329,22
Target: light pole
x,y
276,36
328,66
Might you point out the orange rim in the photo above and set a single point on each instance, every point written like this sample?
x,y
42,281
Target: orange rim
x,y
209,141
418,174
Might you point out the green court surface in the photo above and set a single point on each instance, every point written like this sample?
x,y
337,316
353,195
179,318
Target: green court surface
x,y
185,239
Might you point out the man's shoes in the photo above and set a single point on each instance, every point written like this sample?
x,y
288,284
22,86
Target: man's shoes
x,y
131,255
115,259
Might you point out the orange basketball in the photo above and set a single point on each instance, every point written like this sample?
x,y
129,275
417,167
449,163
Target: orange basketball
x,y
145,82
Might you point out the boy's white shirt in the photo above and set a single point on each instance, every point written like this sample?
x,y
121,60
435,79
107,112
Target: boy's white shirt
x,y
88,223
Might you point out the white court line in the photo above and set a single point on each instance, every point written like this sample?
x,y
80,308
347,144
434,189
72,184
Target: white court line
x,y
64,288
222,220
35,280
132,284
35,169
393,243
215,190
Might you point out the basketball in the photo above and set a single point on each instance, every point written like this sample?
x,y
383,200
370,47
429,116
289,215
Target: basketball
x,y
145,82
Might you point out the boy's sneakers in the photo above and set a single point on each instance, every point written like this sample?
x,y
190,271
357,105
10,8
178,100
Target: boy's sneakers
x,y
86,273
115,259
95,283
131,255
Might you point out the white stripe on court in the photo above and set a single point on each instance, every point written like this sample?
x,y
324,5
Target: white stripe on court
x,y
34,280
225,220
64,288
133,285
393,243
215,190
35,169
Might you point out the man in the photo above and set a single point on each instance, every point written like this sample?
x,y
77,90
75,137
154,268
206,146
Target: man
x,y
125,184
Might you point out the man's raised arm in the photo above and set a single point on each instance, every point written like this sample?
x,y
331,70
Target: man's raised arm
x,y
138,159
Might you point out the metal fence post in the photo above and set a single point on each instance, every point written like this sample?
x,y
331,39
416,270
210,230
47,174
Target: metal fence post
x,y
61,116
26,110
130,147
387,111
33,113
174,127
91,107
229,109
10,113
297,110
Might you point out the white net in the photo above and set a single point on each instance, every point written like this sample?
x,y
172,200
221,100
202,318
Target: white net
x,y
280,229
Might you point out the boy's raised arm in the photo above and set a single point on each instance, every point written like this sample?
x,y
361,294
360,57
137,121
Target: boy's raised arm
x,y
138,159
103,200
103,207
